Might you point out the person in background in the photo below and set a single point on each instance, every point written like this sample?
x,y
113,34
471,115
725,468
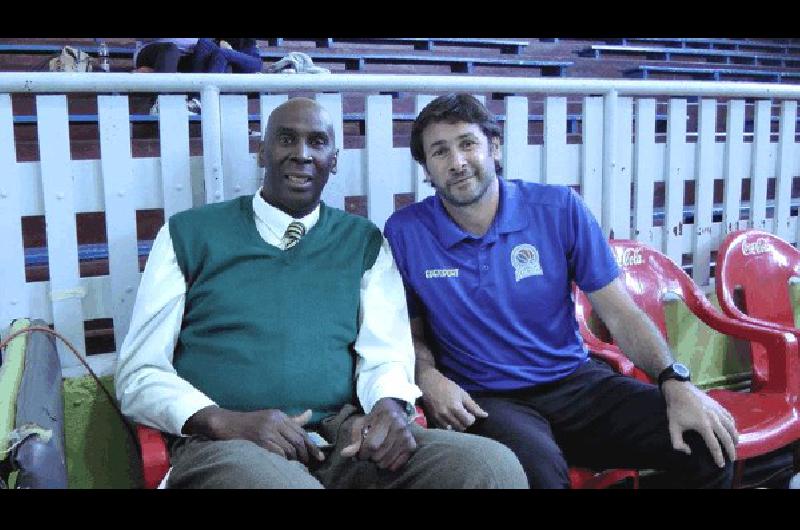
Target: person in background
x,y
217,56
166,56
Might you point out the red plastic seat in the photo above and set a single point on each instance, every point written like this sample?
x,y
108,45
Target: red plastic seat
x,y
155,463
586,479
598,348
762,265
767,417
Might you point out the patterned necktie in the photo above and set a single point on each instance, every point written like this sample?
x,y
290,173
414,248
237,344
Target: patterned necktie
x,y
294,232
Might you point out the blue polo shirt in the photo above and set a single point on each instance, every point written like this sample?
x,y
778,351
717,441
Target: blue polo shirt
x,y
499,308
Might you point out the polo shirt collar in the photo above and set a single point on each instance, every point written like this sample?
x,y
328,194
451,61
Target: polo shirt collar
x,y
511,216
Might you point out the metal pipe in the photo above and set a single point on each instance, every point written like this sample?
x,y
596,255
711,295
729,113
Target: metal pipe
x,y
61,82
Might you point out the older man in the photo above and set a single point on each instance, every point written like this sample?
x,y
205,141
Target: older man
x,y
270,341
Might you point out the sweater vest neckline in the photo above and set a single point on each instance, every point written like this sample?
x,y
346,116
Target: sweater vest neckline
x,y
249,224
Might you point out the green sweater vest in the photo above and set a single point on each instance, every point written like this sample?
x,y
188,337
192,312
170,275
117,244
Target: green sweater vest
x,y
265,328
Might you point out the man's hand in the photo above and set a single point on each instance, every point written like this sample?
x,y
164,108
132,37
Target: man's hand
x,y
382,436
448,404
271,429
689,408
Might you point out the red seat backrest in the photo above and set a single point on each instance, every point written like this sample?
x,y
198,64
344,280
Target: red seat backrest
x,y
649,277
761,264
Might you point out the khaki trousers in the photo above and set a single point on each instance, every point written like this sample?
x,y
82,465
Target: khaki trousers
x,y
443,459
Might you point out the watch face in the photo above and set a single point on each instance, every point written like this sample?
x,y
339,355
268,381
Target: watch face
x,y
681,370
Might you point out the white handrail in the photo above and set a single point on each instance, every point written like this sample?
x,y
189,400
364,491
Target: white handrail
x,y
60,82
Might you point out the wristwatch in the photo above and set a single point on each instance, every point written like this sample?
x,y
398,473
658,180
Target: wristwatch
x,y
676,371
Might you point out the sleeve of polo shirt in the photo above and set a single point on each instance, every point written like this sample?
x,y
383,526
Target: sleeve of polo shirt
x,y
591,261
147,386
385,366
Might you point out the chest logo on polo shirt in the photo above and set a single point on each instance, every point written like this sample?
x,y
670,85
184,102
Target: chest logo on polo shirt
x,y
525,260
441,273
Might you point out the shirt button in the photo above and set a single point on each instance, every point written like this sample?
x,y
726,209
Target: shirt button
x,y
486,267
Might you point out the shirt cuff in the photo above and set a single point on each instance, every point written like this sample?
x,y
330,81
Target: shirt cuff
x,y
387,385
184,408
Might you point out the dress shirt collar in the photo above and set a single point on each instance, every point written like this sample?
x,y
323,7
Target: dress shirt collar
x,y
277,220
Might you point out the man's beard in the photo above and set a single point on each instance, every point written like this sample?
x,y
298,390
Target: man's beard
x,y
485,182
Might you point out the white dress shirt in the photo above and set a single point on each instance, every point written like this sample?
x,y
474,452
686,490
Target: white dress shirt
x,y
151,392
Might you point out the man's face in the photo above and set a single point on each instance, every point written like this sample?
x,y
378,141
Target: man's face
x,y
298,155
459,160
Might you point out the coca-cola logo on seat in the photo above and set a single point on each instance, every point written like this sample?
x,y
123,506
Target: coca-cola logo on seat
x,y
629,256
759,246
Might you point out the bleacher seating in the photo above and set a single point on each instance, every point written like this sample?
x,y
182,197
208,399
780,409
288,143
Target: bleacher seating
x,y
351,61
551,57
701,59
711,55
645,71
50,49
419,43
776,45
457,64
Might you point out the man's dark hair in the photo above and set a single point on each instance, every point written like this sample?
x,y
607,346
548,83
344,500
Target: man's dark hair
x,y
452,108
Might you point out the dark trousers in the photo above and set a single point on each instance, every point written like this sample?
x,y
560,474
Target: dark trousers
x,y
208,57
599,419
164,57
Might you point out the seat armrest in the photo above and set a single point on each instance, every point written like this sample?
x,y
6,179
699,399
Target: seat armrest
x,y
155,456
779,351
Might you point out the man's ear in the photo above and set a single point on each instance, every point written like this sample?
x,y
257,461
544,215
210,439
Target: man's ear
x,y
427,175
335,163
262,153
495,149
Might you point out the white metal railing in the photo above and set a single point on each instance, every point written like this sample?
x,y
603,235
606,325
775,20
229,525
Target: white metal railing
x,y
618,152
44,82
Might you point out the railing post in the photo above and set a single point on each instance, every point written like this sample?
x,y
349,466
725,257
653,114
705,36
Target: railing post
x,y
787,154
645,164
555,138
675,169
592,155
515,139
336,188
66,286
118,182
422,189
762,165
734,168
212,145
609,160
14,302
379,183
